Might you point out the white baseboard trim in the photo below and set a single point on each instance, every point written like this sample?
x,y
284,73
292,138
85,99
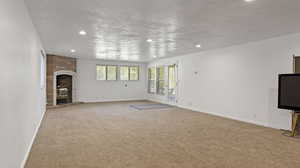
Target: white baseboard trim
x,y
215,114
160,101
228,117
112,100
32,141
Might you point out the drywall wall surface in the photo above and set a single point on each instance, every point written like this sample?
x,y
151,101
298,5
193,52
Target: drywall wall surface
x,y
88,89
22,86
238,82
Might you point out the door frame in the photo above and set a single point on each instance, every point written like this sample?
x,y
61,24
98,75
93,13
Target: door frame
x,y
294,62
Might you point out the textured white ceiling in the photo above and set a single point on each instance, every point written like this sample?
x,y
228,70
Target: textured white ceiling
x,y
119,29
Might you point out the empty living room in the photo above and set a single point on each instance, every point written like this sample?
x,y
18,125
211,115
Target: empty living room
x,y
150,84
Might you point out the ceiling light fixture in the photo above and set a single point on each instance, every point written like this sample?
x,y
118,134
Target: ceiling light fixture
x,y
72,50
198,46
82,32
249,0
149,40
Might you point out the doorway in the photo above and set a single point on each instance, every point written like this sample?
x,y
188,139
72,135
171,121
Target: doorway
x,y
64,86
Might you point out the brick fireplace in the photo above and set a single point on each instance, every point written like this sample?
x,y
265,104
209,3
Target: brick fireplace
x,y
61,74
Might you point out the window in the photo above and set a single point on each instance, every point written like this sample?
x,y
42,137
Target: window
x,y
134,73
43,70
124,73
172,80
160,80
111,72
129,73
106,72
151,80
101,72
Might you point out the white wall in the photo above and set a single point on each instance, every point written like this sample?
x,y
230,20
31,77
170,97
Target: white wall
x,y
88,89
22,100
238,82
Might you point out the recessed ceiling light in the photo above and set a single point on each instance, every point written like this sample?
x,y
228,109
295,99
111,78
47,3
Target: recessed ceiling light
x,y
249,0
72,50
154,56
82,32
149,40
198,46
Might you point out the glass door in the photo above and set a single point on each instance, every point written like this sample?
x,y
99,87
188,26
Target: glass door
x,y
172,83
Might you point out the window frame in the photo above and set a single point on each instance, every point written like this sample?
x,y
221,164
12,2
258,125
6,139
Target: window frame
x,y
120,72
175,79
158,80
116,72
105,72
138,73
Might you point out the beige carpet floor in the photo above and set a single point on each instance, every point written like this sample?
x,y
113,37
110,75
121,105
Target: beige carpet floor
x,y
113,135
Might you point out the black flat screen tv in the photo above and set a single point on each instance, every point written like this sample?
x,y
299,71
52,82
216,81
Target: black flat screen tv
x,y
289,91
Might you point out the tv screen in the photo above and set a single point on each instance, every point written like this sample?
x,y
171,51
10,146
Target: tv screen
x,y
289,91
